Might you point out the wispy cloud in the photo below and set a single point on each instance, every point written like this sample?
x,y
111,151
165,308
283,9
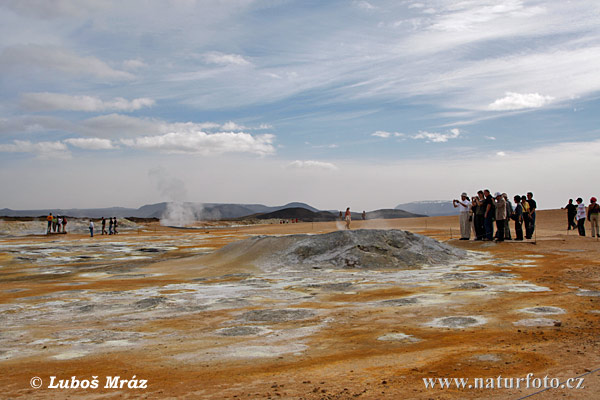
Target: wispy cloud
x,y
225,59
385,134
312,164
91,143
58,59
57,101
42,150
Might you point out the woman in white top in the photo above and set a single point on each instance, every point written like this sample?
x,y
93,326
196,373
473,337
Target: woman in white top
x,y
580,216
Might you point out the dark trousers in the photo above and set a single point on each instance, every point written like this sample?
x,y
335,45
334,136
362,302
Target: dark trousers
x,y
507,229
581,226
519,230
488,223
500,228
479,229
527,223
571,222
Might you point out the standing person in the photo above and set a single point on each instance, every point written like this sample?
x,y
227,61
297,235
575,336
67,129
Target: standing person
x,y
54,223
60,222
592,215
348,217
463,206
64,224
500,216
571,213
103,226
341,216
526,217
91,228
49,218
364,215
509,212
532,208
580,216
115,226
517,216
488,217
478,218
110,226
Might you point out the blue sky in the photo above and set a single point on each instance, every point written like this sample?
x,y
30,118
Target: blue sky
x,y
364,104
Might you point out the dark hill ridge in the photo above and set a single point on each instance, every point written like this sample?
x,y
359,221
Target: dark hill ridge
x,y
305,215
210,211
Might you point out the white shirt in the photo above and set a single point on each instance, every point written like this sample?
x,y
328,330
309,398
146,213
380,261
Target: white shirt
x,y
580,211
464,205
92,224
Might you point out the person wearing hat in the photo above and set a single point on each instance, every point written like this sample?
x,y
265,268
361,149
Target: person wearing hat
x,y
580,216
500,216
592,216
464,205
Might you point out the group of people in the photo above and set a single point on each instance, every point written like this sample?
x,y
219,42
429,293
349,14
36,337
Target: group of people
x,y
112,226
578,212
480,213
56,223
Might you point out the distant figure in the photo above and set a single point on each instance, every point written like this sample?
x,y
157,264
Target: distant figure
x,y
500,216
364,215
91,228
509,211
526,216
488,217
571,213
49,219
532,208
463,205
592,215
64,225
110,226
54,223
348,218
103,226
341,216
60,222
517,216
580,216
115,226
478,217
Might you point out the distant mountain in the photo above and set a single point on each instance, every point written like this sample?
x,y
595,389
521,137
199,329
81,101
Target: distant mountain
x,y
302,214
430,208
390,214
201,211
305,215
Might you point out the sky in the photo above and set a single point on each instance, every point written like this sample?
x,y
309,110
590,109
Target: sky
x,y
361,104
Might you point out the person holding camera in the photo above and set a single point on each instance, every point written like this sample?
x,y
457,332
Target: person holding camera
x,y
464,206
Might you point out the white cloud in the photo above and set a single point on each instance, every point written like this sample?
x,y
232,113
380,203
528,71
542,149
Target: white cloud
x,y
518,101
91,143
205,143
490,137
311,164
365,5
57,101
134,64
501,154
385,135
42,150
225,59
59,59
437,137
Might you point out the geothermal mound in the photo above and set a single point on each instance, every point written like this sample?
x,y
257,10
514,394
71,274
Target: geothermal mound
x,y
365,248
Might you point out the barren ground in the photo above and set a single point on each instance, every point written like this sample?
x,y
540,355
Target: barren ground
x,y
148,303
